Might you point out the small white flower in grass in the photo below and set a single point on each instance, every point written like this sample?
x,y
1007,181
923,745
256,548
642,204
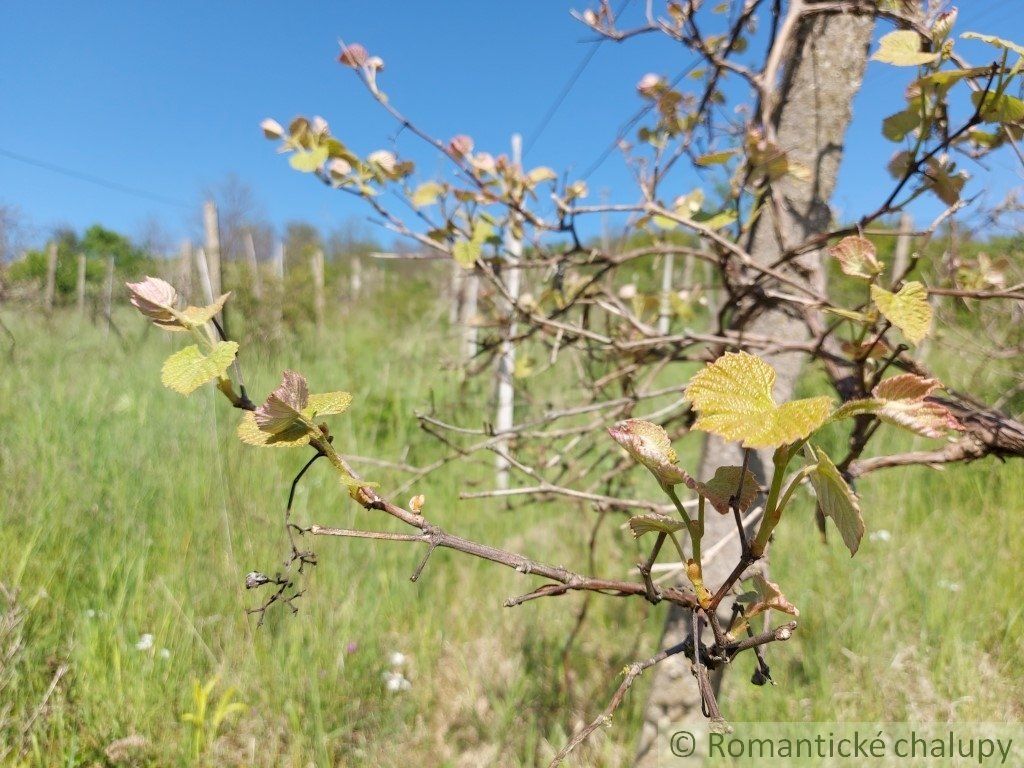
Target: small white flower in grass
x,y
145,642
397,659
90,613
950,586
396,682
880,535
164,653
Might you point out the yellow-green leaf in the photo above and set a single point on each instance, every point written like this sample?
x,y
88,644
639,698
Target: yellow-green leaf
x,y
649,444
856,257
998,42
908,310
654,521
902,48
309,161
200,315
188,369
836,499
541,173
427,194
724,485
715,158
466,252
249,432
733,399
998,107
328,403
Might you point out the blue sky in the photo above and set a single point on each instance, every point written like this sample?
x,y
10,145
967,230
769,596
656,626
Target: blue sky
x,y
167,98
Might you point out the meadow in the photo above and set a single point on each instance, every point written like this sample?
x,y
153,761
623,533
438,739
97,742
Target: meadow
x,y
131,516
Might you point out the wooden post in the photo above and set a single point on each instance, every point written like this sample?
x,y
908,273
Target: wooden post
x,y
455,294
511,275
108,299
709,281
205,281
471,287
80,285
316,266
254,266
213,254
185,269
51,277
901,259
356,277
279,274
665,308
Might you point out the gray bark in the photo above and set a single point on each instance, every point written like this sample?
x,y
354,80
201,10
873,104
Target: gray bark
x,y
815,108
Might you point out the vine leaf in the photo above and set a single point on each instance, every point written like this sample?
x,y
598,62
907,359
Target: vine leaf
x,y
250,433
189,368
998,107
426,194
283,408
836,499
856,257
284,420
908,309
770,598
721,488
307,161
900,401
733,399
902,48
655,521
156,299
328,404
649,445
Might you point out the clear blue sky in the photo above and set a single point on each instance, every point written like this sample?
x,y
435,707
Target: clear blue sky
x,y
167,97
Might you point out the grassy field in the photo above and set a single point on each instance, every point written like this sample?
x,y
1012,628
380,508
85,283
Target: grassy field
x,y
129,512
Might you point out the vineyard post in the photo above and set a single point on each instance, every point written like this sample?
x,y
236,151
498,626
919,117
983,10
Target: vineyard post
x,y
665,311
80,285
316,267
254,266
205,281
511,274
279,274
108,297
51,276
213,255
185,267
901,259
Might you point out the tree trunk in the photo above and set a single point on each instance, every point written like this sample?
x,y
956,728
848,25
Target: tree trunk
x,y
814,111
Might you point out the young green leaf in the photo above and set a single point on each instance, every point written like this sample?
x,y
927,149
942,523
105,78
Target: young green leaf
x,y
250,433
308,161
836,499
733,399
283,408
902,48
649,445
426,194
188,369
328,404
856,257
908,309
723,486
901,401
655,521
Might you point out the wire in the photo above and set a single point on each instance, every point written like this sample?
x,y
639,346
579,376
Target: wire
x,y
113,185
567,88
628,125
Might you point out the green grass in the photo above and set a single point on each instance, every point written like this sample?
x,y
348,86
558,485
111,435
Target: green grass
x,y
128,510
